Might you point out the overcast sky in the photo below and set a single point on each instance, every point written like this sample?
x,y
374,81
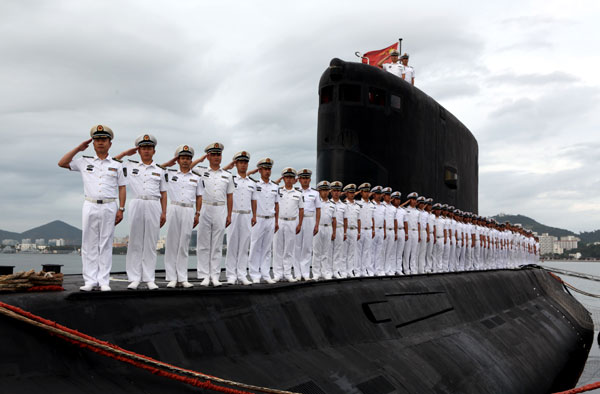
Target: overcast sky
x,y
522,76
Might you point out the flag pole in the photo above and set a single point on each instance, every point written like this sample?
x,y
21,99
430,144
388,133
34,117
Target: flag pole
x,y
400,46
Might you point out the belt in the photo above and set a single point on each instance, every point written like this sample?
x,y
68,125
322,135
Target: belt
x,y
288,219
241,211
214,204
413,229
366,228
390,229
106,200
352,227
309,214
440,236
265,217
379,228
325,224
183,204
153,198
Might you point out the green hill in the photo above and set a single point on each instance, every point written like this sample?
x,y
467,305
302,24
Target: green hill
x,y
55,229
533,225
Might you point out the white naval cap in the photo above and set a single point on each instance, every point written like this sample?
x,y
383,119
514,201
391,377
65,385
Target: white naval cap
x,y
386,190
265,163
421,200
429,200
351,187
376,189
241,156
396,194
101,131
405,56
216,147
412,195
289,171
184,150
437,206
323,185
336,185
304,173
146,140
365,186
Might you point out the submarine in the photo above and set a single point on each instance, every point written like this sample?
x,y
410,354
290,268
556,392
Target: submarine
x,y
494,331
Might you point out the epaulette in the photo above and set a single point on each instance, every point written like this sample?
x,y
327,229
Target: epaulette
x,y
171,169
159,166
196,173
88,157
226,170
297,188
117,160
314,189
134,161
252,179
274,183
202,167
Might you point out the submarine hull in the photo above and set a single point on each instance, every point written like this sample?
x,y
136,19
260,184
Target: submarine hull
x,y
503,331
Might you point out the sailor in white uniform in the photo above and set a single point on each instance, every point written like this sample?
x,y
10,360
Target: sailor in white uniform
x,y
391,232
377,246
310,225
439,238
147,211
267,223
411,248
402,231
352,232
430,235
184,189
423,234
217,206
394,66
338,249
291,215
322,242
104,181
243,217
408,72
367,232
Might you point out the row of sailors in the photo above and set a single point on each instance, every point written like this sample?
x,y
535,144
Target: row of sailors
x,y
303,228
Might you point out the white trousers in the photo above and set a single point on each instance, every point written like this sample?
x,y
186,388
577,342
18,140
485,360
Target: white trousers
x,y
211,229
378,253
284,246
304,247
460,255
364,246
351,253
438,255
390,252
411,253
400,251
322,265
238,245
422,252
477,256
177,248
429,264
452,260
261,240
144,228
98,229
338,251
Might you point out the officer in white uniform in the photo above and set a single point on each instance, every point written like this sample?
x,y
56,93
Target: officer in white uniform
x,y
104,180
411,248
291,216
338,248
391,233
322,243
243,217
147,211
267,223
401,232
184,189
377,247
423,234
352,232
217,206
408,72
310,225
439,238
367,232
430,235
395,66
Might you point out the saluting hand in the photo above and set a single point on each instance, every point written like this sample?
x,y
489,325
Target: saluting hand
x,y
118,217
171,162
163,219
84,145
130,152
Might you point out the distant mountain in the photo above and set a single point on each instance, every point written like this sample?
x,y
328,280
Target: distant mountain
x,y
55,229
533,225
589,237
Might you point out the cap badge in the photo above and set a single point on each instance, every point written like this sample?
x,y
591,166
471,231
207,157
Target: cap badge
x,y
216,146
146,137
99,128
244,153
185,147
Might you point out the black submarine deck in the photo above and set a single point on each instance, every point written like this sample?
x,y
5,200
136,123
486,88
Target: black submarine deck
x,y
502,331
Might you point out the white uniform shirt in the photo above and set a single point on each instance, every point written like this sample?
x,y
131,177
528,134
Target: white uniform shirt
x,y
390,215
352,212
431,221
423,218
184,187
217,184
395,68
244,191
312,201
440,225
409,73
412,218
101,178
145,180
366,214
400,217
327,212
340,213
290,202
379,214
266,197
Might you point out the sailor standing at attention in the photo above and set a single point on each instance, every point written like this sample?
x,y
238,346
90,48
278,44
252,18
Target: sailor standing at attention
x,y
439,238
338,249
104,180
395,66
367,231
423,234
267,223
322,242
411,248
402,231
184,189
430,235
391,233
352,233
408,72
147,211
215,216
377,246
291,215
243,217
310,225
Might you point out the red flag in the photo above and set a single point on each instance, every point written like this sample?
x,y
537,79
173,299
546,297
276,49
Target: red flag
x,y
373,57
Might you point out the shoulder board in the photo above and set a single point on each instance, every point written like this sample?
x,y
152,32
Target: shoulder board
x,y
117,160
172,169
159,166
274,183
226,170
88,157
252,179
297,188
314,189
202,167
196,173
133,161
